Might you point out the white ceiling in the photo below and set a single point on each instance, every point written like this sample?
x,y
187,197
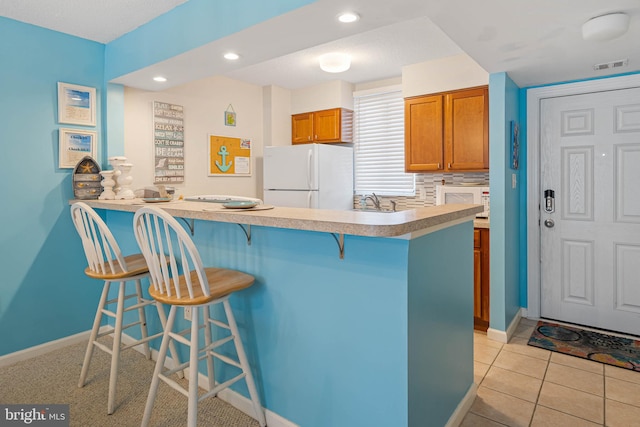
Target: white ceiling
x,y
535,42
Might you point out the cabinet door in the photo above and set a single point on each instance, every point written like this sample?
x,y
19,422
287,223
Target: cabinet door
x,y
423,133
481,278
302,128
467,130
326,125
477,284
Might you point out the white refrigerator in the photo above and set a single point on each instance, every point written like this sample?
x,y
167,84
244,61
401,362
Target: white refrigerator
x,y
309,176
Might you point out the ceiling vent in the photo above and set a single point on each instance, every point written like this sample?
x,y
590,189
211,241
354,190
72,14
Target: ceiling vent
x,y
613,64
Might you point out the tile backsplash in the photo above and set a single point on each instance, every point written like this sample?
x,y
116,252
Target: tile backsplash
x,y
426,189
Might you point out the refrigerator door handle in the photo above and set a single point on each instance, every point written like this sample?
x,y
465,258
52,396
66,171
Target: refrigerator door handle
x,y
309,163
309,199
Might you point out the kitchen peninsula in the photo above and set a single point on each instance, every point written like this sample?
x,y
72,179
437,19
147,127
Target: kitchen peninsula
x,y
381,337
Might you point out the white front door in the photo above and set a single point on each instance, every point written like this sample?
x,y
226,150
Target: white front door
x,y
590,244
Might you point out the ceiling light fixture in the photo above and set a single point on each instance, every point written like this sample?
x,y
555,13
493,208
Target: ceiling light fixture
x,y
160,79
231,56
335,62
605,27
348,17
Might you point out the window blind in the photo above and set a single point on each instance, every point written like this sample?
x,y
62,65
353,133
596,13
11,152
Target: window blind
x,y
379,144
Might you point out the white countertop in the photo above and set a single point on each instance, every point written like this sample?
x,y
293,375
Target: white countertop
x,y
373,224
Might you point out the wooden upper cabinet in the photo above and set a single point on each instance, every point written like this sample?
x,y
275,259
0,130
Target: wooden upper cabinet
x,y
447,131
302,128
423,126
326,126
466,125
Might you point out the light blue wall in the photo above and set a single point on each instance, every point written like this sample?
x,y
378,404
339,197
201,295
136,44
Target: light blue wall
x,y
505,203
188,26
44,294
440,324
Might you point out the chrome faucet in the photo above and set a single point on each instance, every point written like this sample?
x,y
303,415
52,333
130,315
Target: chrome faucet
x,y
374,199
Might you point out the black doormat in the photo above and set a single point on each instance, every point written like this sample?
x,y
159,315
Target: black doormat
x,y
609,349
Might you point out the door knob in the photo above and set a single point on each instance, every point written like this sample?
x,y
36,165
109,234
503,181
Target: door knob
x,y
549,223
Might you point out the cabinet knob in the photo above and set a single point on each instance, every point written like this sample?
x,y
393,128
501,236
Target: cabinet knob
x,y
449,166
439,166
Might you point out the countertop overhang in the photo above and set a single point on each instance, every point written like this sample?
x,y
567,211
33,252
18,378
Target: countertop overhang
x,y
372,224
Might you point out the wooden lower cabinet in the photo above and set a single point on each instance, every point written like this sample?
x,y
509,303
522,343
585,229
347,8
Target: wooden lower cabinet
x,y
481,279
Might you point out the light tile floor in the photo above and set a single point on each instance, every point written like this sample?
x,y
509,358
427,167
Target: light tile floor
x,y
520,385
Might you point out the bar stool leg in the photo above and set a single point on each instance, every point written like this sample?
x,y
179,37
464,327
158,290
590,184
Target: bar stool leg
x,y
172,345
143,320
206,319
242,357
192,414
94,334
115,350
162,355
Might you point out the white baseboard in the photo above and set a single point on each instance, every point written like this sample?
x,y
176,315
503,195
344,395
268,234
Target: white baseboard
x,y
463,407
38,350
505,336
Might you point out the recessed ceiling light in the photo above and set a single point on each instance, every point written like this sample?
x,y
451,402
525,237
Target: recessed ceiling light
x,y
348,17
231,56
160,79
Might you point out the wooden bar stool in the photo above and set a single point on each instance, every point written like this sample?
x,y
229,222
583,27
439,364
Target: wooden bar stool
x,y
107,263
179,279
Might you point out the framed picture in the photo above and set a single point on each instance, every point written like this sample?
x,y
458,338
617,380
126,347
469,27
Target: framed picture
x,y
74,144
229,116
515,146
76,104
229,156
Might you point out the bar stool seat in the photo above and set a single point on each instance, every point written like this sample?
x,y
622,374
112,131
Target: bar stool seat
x,y
179,279
106,262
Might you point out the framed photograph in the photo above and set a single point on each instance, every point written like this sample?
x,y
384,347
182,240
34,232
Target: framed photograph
x,y
76,104
74,144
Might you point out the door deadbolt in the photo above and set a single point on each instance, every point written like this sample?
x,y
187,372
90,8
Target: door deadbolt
x,y
549,201
549,223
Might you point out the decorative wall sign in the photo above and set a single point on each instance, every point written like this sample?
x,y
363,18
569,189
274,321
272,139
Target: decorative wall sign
x,y
515,145
229,156
168,141
76,104
74,145
229,116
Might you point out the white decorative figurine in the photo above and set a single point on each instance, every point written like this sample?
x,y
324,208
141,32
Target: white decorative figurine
x,y
115,162
108,184
125,179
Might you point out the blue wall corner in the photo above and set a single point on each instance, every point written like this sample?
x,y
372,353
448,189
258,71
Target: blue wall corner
x,y
505,202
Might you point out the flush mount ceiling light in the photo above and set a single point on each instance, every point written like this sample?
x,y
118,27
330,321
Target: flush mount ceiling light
x,y
160,79
605,27
231,56
348,17
335,62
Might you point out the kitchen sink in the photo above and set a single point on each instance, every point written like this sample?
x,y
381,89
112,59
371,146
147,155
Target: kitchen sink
x,y
373,210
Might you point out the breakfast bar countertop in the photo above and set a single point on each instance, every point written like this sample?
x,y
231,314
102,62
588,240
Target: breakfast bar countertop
x,y
373,224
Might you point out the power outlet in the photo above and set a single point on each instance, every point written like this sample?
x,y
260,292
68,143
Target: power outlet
x,y
187,312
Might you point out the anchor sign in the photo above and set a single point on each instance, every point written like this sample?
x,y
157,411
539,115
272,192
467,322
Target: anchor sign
x,y
223,153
